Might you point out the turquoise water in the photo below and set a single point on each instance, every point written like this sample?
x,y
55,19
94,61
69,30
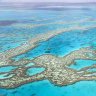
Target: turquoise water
x,y
29,64
4,76
91,70
33,71
6,69
16,36
63,44
45,88
82,63
60,45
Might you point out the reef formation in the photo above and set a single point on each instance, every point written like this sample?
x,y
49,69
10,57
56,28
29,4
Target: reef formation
x,y
56,70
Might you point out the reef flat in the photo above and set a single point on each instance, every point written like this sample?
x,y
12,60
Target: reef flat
x,y
30,44
55,69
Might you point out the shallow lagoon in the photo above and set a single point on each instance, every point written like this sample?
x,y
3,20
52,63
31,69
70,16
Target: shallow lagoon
x,y
82,63
62,44
59,45
45,88
32,71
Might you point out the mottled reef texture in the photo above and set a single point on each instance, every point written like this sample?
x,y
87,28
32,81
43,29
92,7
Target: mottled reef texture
x,y
56,70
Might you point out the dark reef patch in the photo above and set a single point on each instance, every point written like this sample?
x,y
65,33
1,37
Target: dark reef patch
x,y
7,22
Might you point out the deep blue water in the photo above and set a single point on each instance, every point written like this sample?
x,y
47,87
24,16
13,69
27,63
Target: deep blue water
x,y
59,45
